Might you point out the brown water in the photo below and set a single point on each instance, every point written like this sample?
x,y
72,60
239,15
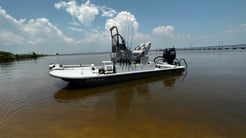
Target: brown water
x,y
209,100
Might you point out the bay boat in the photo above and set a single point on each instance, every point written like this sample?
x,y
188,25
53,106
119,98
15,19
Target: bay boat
x,y
124,65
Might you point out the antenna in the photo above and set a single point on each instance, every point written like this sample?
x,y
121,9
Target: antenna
x,y
127,38
132,36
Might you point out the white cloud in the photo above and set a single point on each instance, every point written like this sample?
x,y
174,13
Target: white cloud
x,y
96,37
8,22
107,12
29,34
76,29
10,38
166,36
10,18
41,34
124,21
164,30
74,23
84,13
168,31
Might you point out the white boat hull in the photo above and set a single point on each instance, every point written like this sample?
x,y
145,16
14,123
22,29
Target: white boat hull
x,y
86,76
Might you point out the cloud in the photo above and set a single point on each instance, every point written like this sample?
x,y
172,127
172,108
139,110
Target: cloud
x,y
124,21
44,29
86,12
76,29
166,36
74,23
168,31
29,33
107,12
164,30
40,34
10,29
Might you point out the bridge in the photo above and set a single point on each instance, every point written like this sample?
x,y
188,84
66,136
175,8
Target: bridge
x,y
216,47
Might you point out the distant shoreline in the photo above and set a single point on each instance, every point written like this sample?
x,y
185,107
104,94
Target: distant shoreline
x,y
8,56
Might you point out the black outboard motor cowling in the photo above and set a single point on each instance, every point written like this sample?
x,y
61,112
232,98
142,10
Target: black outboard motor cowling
x,y
169,55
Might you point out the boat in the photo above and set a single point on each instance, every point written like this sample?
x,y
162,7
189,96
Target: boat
x,y
125,65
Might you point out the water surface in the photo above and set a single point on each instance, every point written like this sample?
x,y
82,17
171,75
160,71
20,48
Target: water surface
x,y
209,100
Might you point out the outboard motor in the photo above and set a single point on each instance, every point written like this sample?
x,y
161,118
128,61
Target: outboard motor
x,y
169,55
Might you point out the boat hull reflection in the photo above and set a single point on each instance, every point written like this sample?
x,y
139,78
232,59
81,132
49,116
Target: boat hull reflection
x,y
73,92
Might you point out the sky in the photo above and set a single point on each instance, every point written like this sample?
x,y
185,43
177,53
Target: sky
x,y
78,26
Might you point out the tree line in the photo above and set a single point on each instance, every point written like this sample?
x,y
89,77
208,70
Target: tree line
x,y
8,56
